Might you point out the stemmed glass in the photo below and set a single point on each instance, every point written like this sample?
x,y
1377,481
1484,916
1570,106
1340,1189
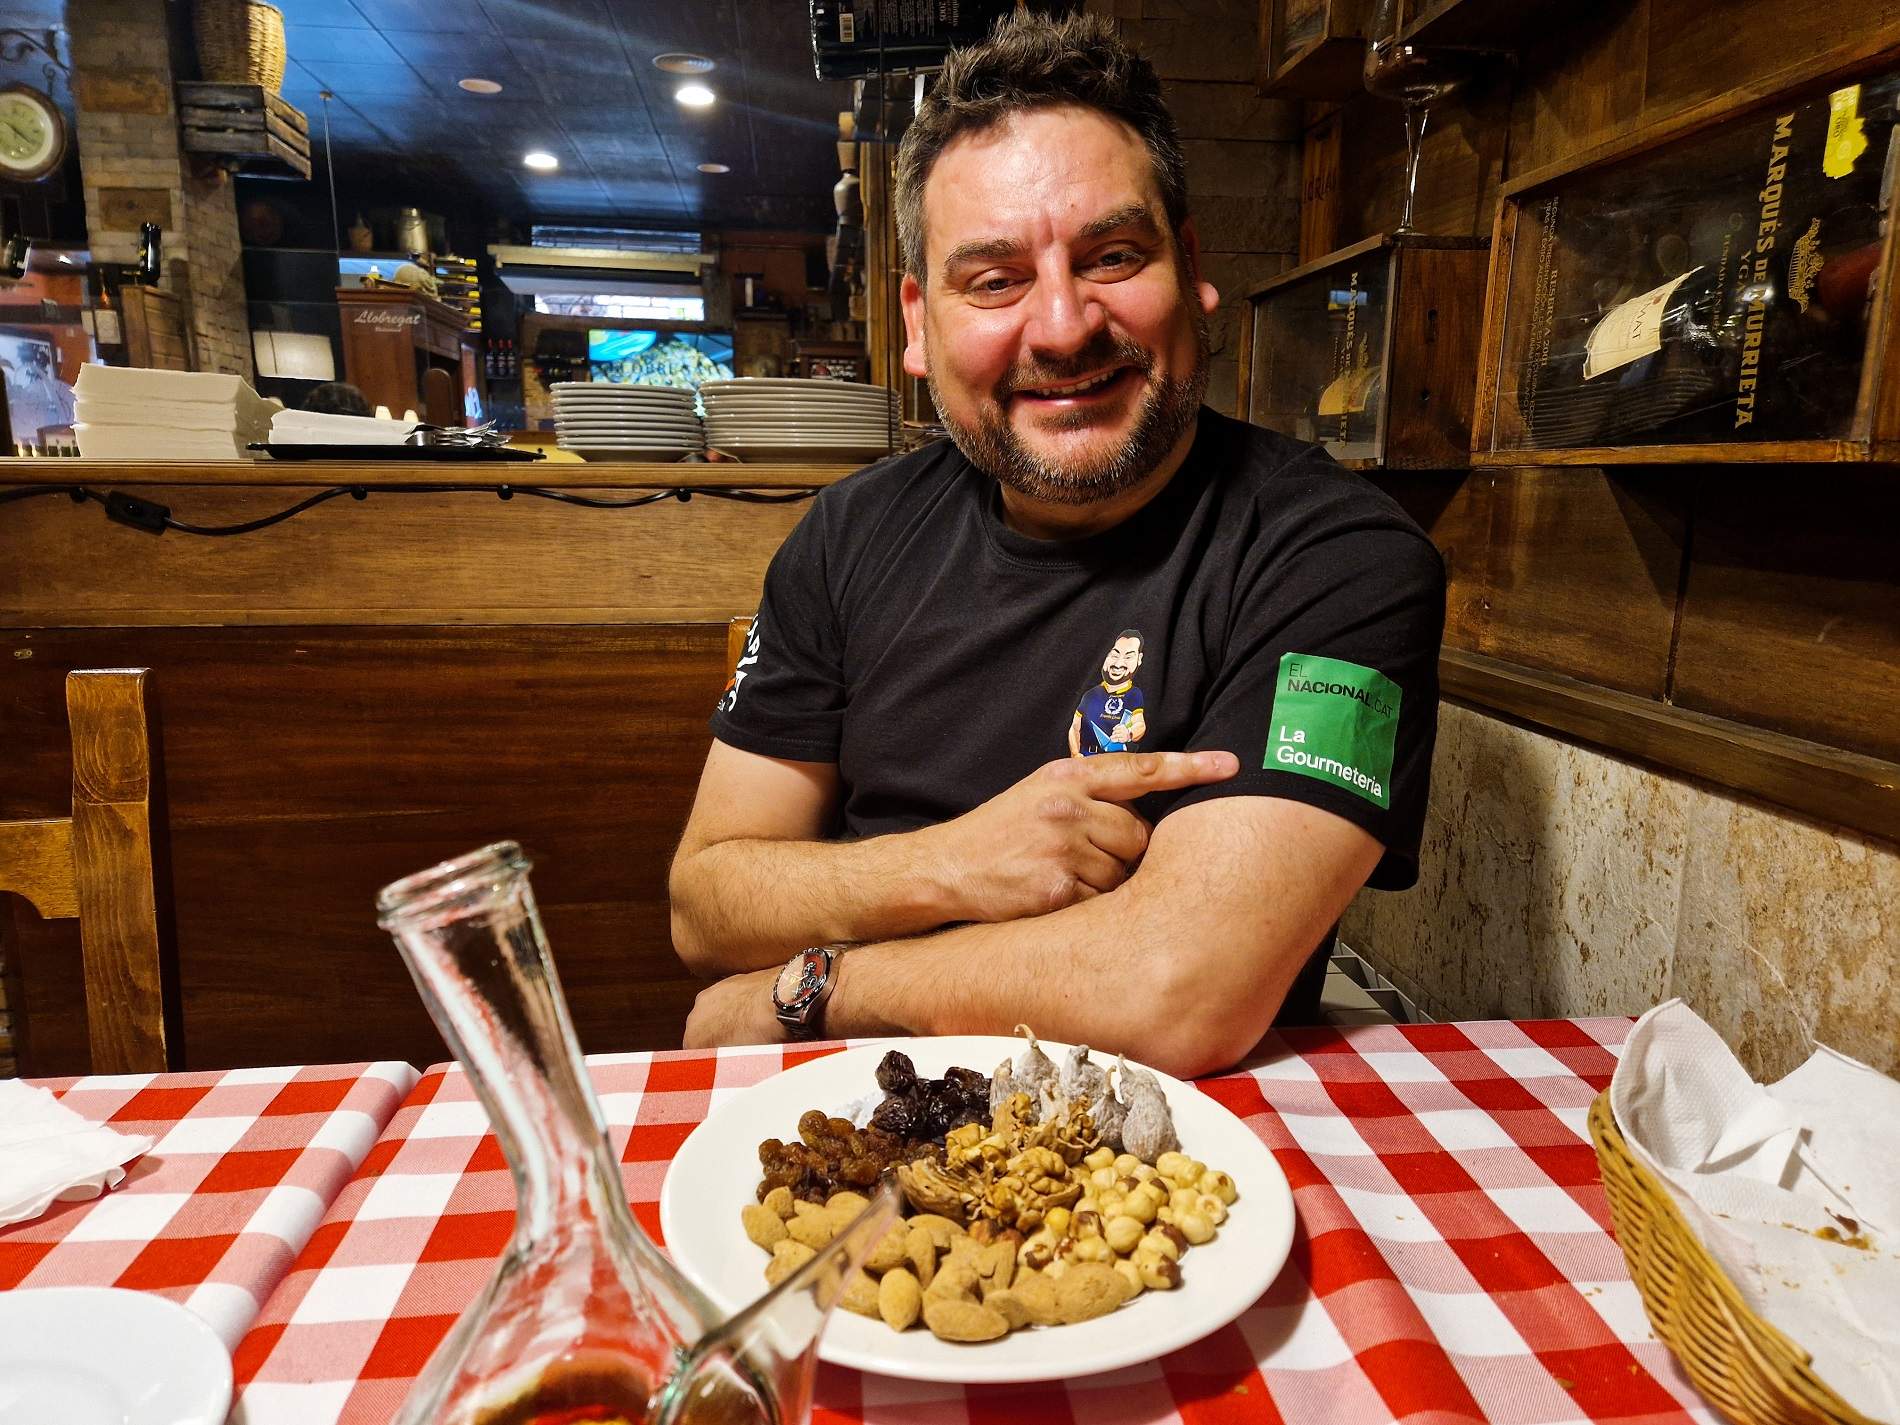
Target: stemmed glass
x,y
1417,76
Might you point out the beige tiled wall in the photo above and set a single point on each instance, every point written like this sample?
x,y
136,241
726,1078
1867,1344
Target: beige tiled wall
x,y
1557,880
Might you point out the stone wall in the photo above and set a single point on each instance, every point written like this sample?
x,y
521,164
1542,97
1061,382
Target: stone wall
x,y
133,172
1556,880
1243,152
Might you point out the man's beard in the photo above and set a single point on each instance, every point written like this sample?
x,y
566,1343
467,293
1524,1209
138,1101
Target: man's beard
x,y
1168,409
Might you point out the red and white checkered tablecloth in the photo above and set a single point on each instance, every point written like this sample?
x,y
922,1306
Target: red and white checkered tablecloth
x,y
1452,1259
244,1164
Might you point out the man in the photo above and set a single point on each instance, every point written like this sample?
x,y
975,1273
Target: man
x,y
1110,718
889,776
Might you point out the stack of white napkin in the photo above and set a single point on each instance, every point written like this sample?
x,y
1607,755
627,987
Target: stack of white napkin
x,y
1793,1186
47,1151
319,428
136,413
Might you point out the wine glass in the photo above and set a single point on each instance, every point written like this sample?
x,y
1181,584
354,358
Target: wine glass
x,y
1417,76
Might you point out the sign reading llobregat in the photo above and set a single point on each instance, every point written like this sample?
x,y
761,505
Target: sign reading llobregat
x,y
1337,722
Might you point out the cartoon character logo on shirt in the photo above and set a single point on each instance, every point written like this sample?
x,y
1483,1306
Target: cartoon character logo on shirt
x,y
1110,716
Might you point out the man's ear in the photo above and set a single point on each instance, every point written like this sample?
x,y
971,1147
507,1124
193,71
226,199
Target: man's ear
x,y
1190,241
912,297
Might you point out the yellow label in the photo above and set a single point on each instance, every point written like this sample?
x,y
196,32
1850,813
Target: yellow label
x,y
1846,134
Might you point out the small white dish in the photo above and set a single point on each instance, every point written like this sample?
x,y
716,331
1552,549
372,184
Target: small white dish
x,y
85,1355
716,1172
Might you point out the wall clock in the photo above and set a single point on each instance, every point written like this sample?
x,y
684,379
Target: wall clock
x,y
32,134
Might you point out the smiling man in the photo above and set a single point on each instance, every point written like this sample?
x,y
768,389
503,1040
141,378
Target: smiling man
x,y
888,837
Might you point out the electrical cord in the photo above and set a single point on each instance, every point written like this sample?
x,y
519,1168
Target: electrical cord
x,y
156,518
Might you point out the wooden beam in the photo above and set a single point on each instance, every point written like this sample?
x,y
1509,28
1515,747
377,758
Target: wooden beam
x,y
1842,788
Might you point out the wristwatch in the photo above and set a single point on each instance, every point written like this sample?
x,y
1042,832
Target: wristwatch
x,y
801,990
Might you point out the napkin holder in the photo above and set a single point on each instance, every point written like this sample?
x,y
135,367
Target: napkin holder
x,y
1750,1372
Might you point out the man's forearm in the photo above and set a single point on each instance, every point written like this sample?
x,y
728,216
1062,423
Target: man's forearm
x,y
749,904
1115,972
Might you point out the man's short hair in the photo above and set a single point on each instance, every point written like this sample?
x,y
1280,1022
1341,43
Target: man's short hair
x,y
1133,633
1032,62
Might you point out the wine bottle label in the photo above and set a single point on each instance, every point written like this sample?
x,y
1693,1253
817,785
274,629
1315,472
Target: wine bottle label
x,y
1804,265
1631,330
1846,134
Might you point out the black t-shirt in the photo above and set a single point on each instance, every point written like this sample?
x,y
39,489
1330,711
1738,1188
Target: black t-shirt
x,y
1266,602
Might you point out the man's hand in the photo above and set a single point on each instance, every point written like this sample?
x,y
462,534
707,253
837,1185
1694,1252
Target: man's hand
x,y
735,1010
1063,833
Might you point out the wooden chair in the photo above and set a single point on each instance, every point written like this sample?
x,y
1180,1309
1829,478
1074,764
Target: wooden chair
x,y
737,632
97,866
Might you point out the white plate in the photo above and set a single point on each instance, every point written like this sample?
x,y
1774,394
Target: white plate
x,y
716,1172
683,428
631,456
760,403
85,1355
614,398
622,442
801,454
786,383
561,388
817,425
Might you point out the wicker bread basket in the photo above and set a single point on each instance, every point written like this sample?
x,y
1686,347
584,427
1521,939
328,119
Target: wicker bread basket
x,y
1748,1370
240,42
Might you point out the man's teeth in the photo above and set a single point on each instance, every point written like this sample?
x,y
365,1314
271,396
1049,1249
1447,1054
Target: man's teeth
x,y
1078,388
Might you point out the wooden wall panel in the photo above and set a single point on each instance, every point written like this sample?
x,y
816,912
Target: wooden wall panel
x,y
391,559
1455,509
1696,51
1791,619
1584,573
306,767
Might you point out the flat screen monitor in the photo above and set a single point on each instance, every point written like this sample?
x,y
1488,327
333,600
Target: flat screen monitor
x,y
659,356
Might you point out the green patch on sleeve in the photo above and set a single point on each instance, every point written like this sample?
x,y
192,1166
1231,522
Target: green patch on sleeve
x,y
1337,722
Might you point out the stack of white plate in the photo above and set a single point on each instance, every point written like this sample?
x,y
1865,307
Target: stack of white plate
x,y
600,421
768,418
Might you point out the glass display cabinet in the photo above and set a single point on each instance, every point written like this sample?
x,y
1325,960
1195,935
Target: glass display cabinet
x,y
1370,351
1717,289
1312,49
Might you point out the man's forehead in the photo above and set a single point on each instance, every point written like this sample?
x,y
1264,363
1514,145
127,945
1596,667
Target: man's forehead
x,y
996,184
1126,645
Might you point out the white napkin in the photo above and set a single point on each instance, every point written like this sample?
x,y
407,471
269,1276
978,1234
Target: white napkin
x,y
1762,1171
47,1151
324,428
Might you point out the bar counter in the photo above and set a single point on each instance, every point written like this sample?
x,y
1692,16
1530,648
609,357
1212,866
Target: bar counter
x,y
365,688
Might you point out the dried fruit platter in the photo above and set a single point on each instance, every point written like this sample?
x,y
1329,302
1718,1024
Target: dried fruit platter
x,y
715,1176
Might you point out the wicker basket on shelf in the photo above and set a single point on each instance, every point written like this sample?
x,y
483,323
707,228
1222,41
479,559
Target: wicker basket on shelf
x,y
1749,1371
240,42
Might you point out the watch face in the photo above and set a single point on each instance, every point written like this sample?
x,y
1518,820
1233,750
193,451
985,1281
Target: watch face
x,y
801,977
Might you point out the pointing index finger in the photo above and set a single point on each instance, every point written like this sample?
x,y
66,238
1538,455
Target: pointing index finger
x,y
1127,775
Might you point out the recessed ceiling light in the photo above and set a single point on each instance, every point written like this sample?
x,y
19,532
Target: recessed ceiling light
x,y
715,168
478,86
541,161
680,62
694,96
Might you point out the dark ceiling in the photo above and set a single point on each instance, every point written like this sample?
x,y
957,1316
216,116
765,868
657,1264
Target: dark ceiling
x,y
578,81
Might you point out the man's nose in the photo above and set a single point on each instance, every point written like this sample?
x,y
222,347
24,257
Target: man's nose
x,y
1064,317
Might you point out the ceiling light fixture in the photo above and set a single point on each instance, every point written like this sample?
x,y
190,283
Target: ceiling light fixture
x,y
715,168
478,86
694,96
541,161
680,62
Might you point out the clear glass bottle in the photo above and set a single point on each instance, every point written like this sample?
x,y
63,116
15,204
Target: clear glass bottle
x,y
585,1319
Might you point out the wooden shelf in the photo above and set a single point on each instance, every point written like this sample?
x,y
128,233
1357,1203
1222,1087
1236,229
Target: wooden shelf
x,y
548,474
1841,788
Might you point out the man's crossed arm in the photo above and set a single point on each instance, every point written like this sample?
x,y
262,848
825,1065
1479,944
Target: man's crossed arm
x,y
1181,962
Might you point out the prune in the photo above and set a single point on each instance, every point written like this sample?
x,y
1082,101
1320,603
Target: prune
x,y
898,1116
895,1073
